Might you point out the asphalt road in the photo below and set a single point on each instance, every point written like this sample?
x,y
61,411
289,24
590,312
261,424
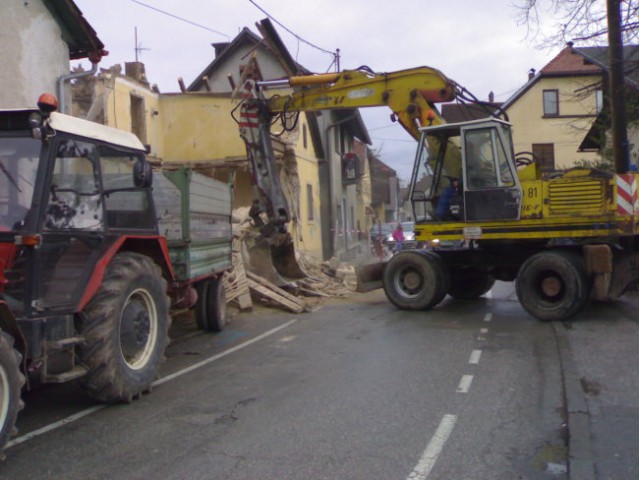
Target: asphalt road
x,y
354,390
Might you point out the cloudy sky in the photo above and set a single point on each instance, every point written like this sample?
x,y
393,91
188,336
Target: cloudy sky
x,y
478,43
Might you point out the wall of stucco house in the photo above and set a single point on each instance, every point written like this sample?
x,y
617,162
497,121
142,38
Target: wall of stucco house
x,y
364,212
35,55
197,127
566,131
122,102
307,232
339,200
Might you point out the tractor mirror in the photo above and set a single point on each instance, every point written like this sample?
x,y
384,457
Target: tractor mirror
x,y
142,174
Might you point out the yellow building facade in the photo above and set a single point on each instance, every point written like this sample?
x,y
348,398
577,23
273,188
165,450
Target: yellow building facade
x,y
554,111
562,133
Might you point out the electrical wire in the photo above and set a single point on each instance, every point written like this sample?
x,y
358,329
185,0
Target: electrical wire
x,y
181,19
289,31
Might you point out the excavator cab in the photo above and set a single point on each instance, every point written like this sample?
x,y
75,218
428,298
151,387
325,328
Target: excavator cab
x,y
465,172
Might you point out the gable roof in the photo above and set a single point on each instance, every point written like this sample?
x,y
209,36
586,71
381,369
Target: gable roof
x,y
82,40
223,51
274,46
570,62
600,56
577,61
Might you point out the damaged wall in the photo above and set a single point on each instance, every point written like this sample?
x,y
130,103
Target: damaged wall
x,y
34,55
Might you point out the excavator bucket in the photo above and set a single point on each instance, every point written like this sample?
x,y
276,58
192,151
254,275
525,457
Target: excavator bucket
x,y
277,264
370,276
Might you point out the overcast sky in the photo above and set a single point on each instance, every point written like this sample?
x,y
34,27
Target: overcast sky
x,y
477,43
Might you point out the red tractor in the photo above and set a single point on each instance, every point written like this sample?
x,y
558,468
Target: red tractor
x,y
86,278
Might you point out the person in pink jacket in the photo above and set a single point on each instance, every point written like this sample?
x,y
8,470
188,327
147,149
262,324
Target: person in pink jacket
x,y
398,236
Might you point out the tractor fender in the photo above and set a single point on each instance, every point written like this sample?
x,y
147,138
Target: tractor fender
x,y
154,247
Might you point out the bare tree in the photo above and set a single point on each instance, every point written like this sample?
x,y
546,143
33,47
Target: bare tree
x,y
597,22
555,22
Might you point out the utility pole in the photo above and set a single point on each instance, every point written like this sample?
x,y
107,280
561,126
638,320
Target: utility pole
x,y
617,88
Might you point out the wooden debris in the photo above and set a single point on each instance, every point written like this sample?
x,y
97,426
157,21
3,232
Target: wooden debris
x,y
235,282
265,289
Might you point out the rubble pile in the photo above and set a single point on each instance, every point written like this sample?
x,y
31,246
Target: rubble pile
x,y
325,279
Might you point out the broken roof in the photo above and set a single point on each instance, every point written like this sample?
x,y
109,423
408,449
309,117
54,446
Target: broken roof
x,y
82,40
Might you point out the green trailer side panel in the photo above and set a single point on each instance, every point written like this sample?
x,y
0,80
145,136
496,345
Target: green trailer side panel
x,y
194,213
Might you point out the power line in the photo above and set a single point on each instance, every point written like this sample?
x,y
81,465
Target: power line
x,y
289,31
181,19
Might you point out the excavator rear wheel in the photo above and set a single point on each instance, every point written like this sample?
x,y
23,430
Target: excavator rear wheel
x,y
554,285
415,280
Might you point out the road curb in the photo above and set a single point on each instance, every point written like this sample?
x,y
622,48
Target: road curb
x,y
580,455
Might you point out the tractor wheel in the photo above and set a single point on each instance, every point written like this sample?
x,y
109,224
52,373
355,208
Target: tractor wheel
x,y
210,309
415,280
11,381
126,328
553,286
470,285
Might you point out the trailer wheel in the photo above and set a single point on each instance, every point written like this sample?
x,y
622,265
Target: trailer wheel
x,y
415,281
553,286
11,381
126,329
210,309
469,285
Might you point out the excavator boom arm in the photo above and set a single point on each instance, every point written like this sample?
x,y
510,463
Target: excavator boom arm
x,y
410,94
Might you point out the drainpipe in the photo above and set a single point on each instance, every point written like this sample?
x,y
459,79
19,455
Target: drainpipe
x,y
71,76
330,176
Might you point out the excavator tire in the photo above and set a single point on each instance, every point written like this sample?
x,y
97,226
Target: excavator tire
x,y
469,285
11,381
126,329
553,285
415,280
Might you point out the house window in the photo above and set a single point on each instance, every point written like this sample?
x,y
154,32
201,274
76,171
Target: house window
x,y
309,201
304,136
138,121
551,103
545,153
598,100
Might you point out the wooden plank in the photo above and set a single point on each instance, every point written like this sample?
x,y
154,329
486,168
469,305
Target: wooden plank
x,y
275,297
271,286
267,289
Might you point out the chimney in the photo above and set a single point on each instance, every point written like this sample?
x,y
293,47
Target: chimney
x,y
136,71
531,73
491,97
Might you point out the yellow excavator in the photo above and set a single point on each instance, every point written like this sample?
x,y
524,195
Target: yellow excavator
x,y
484,212
409,93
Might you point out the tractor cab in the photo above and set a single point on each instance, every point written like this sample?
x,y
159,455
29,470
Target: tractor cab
x,y
465,172
69,189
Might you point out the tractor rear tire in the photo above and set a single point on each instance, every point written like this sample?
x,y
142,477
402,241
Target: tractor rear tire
x,y
415,280
126,328
470,285
210,309
11,381
553,285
